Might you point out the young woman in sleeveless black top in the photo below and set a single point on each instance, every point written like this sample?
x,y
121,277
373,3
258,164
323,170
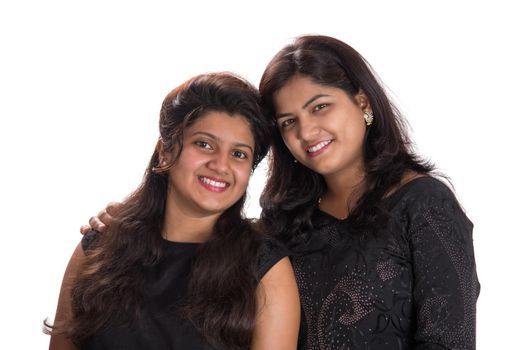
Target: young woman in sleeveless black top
x,y
180,267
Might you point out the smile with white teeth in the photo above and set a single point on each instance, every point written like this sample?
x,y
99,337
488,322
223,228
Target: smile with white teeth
x,y
318,146
213,183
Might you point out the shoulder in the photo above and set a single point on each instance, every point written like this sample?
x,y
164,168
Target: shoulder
x,y
421,190
278,309
423,185
427,203
269,252
427,196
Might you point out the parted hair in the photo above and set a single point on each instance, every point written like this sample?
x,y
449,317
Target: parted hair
x,y
292,190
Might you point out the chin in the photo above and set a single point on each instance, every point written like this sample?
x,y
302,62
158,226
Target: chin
x,y
322,169
215,208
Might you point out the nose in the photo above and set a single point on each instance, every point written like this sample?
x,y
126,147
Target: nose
x,y
219,162
308,130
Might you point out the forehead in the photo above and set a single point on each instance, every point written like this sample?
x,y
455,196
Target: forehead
x,y
232,128
298,90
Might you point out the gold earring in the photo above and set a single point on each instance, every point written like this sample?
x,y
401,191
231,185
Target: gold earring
x,y
161,168
368,117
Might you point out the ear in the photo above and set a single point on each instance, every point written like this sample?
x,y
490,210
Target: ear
x,y
163,156
362,101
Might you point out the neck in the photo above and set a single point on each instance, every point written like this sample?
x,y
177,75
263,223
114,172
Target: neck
x,y
343,191
182,227
342,185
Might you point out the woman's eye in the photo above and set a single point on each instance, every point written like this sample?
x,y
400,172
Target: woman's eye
x,y
239,154
203,144
320,106
287,122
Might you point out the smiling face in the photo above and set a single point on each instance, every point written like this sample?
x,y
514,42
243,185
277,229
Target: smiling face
x,y
213,169
321,125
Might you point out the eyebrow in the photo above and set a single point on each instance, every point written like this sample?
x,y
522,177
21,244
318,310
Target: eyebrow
x,y
213,137
308,102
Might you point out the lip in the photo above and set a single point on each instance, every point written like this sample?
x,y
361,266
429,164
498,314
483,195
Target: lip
x,y
324,145
213,184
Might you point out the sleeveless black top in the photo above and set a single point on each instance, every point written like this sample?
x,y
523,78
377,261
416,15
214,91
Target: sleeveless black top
x,y
413,286
159,326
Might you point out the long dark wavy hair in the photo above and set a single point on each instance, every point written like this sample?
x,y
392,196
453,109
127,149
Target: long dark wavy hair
x,y
292,190
222,289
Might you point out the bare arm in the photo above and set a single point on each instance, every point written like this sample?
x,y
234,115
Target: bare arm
x,y
278,315
64,309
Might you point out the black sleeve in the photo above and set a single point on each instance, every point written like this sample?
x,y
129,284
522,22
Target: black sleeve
x,y
446,286
270,251
88,239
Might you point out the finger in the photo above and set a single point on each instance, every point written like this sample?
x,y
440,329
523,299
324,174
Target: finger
x,y
113,208
85,229
96,224
105,218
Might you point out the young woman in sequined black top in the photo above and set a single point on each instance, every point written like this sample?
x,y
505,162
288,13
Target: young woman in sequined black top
x,y
381,250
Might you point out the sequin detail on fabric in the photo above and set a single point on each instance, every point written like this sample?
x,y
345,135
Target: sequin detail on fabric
x,y
415,287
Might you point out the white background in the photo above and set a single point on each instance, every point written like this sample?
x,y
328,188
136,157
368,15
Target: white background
x,y
81,85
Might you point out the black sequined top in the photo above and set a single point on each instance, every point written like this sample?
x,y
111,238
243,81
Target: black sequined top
x,y
413,287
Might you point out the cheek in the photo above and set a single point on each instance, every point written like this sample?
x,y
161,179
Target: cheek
x,y
358,131
292,144
352,126
242,178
